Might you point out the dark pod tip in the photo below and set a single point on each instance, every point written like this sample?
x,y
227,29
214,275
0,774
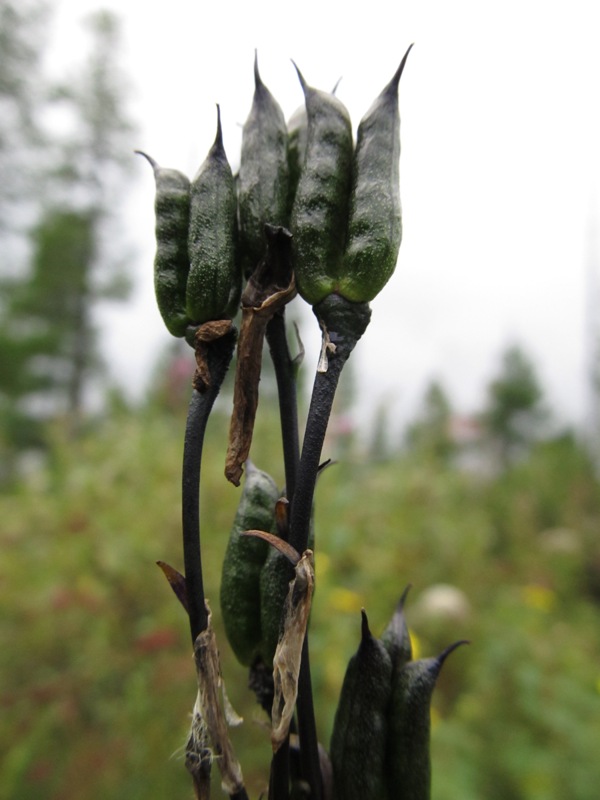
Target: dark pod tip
x,y
218,149
450,649
258,83
365,631
392,86
303,83
148,158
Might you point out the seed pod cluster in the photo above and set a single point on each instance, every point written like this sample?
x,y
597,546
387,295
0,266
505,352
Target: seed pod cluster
x,y
380,741
346,216
196,274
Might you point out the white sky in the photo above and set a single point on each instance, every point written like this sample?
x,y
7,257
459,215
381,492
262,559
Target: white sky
x,y
500,170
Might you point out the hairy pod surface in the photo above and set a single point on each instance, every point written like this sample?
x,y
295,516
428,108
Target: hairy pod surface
x,y
263,176
375,221
408,761
214,281
358,741
171,263
320,211
297,131
243,562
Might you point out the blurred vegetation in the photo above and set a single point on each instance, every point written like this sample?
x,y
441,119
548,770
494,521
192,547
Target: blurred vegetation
x,y
63,164
97,677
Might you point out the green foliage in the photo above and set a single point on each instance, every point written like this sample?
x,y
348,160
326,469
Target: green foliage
x,y
514,409
97,678
55,267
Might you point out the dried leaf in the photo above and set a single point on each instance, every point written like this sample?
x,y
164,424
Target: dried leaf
x,y
209,717
270,287
286,663
177,583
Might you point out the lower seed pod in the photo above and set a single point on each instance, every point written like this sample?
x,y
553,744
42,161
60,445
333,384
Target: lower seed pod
x,y
408,763
243,562
360,728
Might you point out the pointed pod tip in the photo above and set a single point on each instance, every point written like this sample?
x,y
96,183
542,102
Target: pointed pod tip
x,y
148,158
218,143
393,84
303,82
365,631
450,649
257,79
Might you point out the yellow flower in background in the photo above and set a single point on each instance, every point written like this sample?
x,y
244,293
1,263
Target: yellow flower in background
x,y
415,643
539,597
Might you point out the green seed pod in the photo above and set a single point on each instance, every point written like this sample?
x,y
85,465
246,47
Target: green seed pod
x,y
408,763
214,280
396,637
375,222
263,175
360,726
171,263
244,559
320,212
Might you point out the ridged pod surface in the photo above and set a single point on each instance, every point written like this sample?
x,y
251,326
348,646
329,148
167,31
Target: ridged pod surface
x,y
214,280
171,262
358,741
263,176
320,210
375,221
243,562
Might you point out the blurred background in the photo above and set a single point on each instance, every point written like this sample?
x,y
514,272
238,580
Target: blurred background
x,y
469,414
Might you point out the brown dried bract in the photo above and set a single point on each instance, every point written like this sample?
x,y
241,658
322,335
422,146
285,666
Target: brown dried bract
x,y
286,662
269,289
207,333
211,716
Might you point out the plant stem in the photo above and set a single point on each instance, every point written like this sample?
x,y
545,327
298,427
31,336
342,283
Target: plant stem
x,y
279,781
343,324
218,355
285,374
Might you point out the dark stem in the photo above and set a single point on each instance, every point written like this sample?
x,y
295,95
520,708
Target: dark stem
x,y
343,324
285,373
218,355
279,779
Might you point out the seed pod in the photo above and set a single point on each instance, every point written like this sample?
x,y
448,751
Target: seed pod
x,y
408,763
214,280
360,726
171,263
297,131
320,211
396,637
375,222
244,558
263,175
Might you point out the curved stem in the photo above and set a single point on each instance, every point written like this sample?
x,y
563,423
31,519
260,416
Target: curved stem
x,y
218,355
288,407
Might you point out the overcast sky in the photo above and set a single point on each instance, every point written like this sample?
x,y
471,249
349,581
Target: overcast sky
x,y
500,173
